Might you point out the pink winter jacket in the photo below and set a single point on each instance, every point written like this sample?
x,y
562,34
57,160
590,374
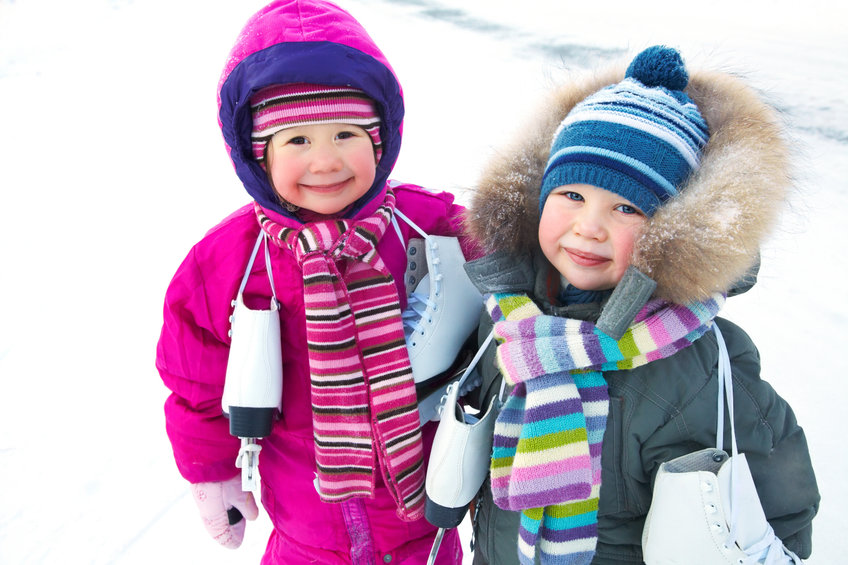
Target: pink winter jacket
x,y
192,359
289,41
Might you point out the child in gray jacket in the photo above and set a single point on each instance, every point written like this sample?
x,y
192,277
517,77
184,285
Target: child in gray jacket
x,y
655,197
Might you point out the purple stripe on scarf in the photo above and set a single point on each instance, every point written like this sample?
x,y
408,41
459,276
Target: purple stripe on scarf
x,y
595,449
570,534
500,440
528,537
556,408
592,345
594,393
539,499
497,314
687,318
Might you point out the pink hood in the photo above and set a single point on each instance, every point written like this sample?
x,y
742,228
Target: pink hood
x,y
304,41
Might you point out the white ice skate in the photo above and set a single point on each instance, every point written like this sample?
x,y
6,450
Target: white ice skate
x,y
459,459
443,310
253,389
692,494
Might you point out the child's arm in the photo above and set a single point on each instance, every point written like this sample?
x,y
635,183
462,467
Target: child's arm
x,y
783,471
775,446
437,214
191,359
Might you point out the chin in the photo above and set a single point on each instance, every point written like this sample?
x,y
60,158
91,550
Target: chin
x,y
589,286
327,209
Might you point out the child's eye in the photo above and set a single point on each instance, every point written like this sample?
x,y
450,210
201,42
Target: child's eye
x,y
576,196
345,134
627,209
298,140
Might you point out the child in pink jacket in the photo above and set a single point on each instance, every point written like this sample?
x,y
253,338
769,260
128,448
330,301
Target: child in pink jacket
x,y
311,114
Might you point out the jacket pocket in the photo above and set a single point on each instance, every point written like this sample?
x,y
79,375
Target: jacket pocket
x,y
619,491
613,498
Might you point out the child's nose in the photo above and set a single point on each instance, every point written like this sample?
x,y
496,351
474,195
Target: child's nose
x,y
589,225
325,158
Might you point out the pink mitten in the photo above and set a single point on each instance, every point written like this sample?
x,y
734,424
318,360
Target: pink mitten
x,y
214,500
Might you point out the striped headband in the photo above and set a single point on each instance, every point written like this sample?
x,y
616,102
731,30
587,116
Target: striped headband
x,y
640,138
282,106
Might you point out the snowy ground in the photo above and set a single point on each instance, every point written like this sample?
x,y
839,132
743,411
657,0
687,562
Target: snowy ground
x,y
111,166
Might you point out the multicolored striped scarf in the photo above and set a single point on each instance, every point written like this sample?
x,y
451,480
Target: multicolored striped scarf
x,y
363,394
546,459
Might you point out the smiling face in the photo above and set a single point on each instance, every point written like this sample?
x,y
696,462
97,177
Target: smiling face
x,y
588,233
323,167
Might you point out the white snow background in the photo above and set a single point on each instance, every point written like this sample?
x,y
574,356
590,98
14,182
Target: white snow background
x,y
112,166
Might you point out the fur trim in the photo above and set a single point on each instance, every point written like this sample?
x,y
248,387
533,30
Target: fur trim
x,y
700,242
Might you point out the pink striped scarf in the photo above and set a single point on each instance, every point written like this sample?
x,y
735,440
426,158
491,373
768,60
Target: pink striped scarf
x,y
363,394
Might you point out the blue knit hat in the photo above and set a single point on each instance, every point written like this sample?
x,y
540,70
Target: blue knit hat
x,y
640,138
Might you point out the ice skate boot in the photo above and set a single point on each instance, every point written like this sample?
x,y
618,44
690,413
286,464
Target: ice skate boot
x,y
432,392
253,388
443,310
459,458
694,494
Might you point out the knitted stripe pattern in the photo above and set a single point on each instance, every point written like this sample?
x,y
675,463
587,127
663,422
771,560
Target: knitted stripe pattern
x,y
363,395
637,141
284,106
546,459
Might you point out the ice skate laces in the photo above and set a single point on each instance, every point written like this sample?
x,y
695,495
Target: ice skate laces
x,y
420,308
770,551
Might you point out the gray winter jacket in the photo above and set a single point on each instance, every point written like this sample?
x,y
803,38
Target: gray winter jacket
x,y
657,412
702,241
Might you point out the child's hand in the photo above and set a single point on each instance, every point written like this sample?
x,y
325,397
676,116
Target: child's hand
x,y
217,502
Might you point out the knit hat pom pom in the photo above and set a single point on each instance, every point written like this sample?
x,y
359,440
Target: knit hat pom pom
x,y
659,66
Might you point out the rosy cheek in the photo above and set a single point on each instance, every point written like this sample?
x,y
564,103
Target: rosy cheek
x,y
625,247
545,236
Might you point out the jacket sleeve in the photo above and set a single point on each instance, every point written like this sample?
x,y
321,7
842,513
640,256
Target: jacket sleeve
x,y
775,446
191,358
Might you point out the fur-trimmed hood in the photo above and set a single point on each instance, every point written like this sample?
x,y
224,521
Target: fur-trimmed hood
x,y
700,242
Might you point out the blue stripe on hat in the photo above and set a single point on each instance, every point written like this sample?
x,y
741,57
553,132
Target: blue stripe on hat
x,y
673,121
658,103
640,122
689,129
620,162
